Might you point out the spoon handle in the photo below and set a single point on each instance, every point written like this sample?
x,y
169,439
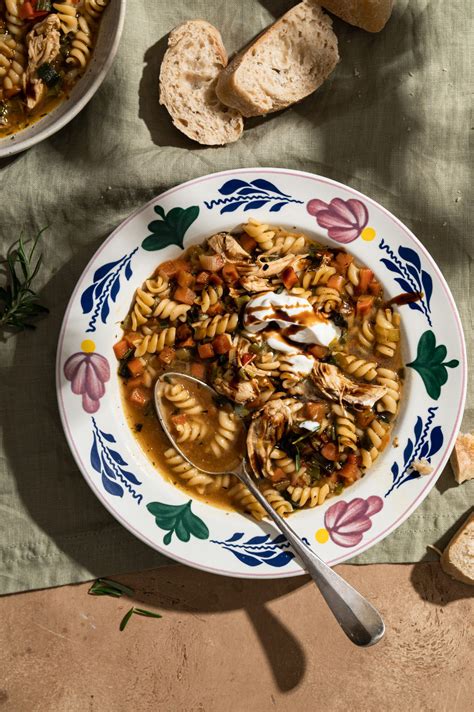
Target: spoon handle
x,y
359,620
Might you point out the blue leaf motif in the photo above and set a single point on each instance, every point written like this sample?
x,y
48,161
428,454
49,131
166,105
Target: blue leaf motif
x,y
406,286
418,428
266,185
231,207
410,256
427,286
87,299
254,204
107,469
394,470
416,275
95,459
390,266
128,271
281,560
258,540
235,537
104,312
115,289
278,206
425,449
437,440
280,539
247,191
112,488
108,437
407,453
103,270
415,306
130,477
117,457
245,558
232,185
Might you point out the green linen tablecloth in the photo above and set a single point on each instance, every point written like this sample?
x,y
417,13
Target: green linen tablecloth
x,y
392,121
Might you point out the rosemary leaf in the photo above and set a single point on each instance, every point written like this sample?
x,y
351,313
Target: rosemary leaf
x,y
125,619
144,612
115,584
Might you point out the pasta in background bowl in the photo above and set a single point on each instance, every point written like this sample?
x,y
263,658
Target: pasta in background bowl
x,y
349,463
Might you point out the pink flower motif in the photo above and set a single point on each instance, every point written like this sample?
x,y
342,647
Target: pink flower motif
x,y
88,372
346,522
343,219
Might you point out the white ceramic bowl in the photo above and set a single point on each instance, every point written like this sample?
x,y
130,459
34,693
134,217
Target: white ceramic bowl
x,y
103,55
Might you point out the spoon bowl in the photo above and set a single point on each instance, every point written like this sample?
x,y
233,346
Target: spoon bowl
x,y
359,620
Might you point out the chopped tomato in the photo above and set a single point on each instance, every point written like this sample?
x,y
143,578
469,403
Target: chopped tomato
x,y
246,358
185,279
140,396
198,370
215,279
183,332
187,343
26,11
214,309
314,411
184,295
247,242
202,279
134,382
336,282
343,260
278,474
318,351
365,277
289,277
121,348
172,267
135,367
230,274
221,344
329,451
167,355
206,350
350,470
364,418
179,419
375,287
364,305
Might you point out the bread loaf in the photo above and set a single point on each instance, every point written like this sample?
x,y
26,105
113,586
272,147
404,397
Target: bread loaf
x,y
188,77
458,557
462,458
288,61
370,15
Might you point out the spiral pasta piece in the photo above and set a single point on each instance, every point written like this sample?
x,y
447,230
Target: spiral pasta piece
x,y
226,433
244,499
67,16
208,328
284,244
387,332
261,233
12,66
81,46
278,502
308,496
389,402
356,367
320,276
366,334
95,8
288,375
345,428
15,25
376,435
269,363
159,286
186,472
220,482
177,394
209,297
155,342
327,298
286,463
191,430
168,309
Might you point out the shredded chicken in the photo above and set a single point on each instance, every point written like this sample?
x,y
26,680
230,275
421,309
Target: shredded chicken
x,y
228,247
335,386
267,428
43,46
240,392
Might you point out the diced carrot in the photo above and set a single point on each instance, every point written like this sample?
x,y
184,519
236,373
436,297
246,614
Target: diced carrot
x,y
329,451
278,474
246,358
187,343
140,396
375,287
198,370
184,295
318,351
172,267
343,260
214,309
364,305
350,470
185,279
215,279
364,418
314,411
230,274
221,344
167,355
365,277
179,419
202,279
121,348
336,281
135,367
206,351
183,332
131,337
289,277
247,242
134,382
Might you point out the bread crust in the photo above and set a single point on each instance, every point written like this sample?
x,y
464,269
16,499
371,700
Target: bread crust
x,y
228,88
466,530
231,124
370,15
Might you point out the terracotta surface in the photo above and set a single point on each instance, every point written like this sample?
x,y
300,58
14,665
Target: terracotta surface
x,y
231,645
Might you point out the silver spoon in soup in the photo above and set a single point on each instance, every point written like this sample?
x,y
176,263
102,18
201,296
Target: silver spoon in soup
x,y
183,402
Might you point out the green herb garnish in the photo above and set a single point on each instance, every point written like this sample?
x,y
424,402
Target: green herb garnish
x,y
138,612
125,619
48,74
106,587
18,302
123,364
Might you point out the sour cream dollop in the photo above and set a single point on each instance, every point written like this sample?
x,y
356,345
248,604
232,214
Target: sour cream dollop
x,y
295,317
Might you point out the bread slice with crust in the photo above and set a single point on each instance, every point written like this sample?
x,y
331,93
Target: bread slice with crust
x,y
370,15
458,557
188,76
287,61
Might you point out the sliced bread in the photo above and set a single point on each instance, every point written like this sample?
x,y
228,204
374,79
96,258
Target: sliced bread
x,y
458,557
462,457
370,15
188,76
286,62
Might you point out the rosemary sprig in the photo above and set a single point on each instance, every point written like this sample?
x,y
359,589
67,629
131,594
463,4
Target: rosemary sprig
x,y
138,612
19,304
106,587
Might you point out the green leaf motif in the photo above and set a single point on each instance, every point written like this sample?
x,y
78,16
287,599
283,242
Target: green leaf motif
x,y
178,519
171,229
430,364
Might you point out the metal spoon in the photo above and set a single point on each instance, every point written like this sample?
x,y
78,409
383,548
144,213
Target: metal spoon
x,y
359,620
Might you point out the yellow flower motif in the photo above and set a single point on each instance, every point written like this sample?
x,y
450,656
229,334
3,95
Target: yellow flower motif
x,y
88,346
368,234
322,536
